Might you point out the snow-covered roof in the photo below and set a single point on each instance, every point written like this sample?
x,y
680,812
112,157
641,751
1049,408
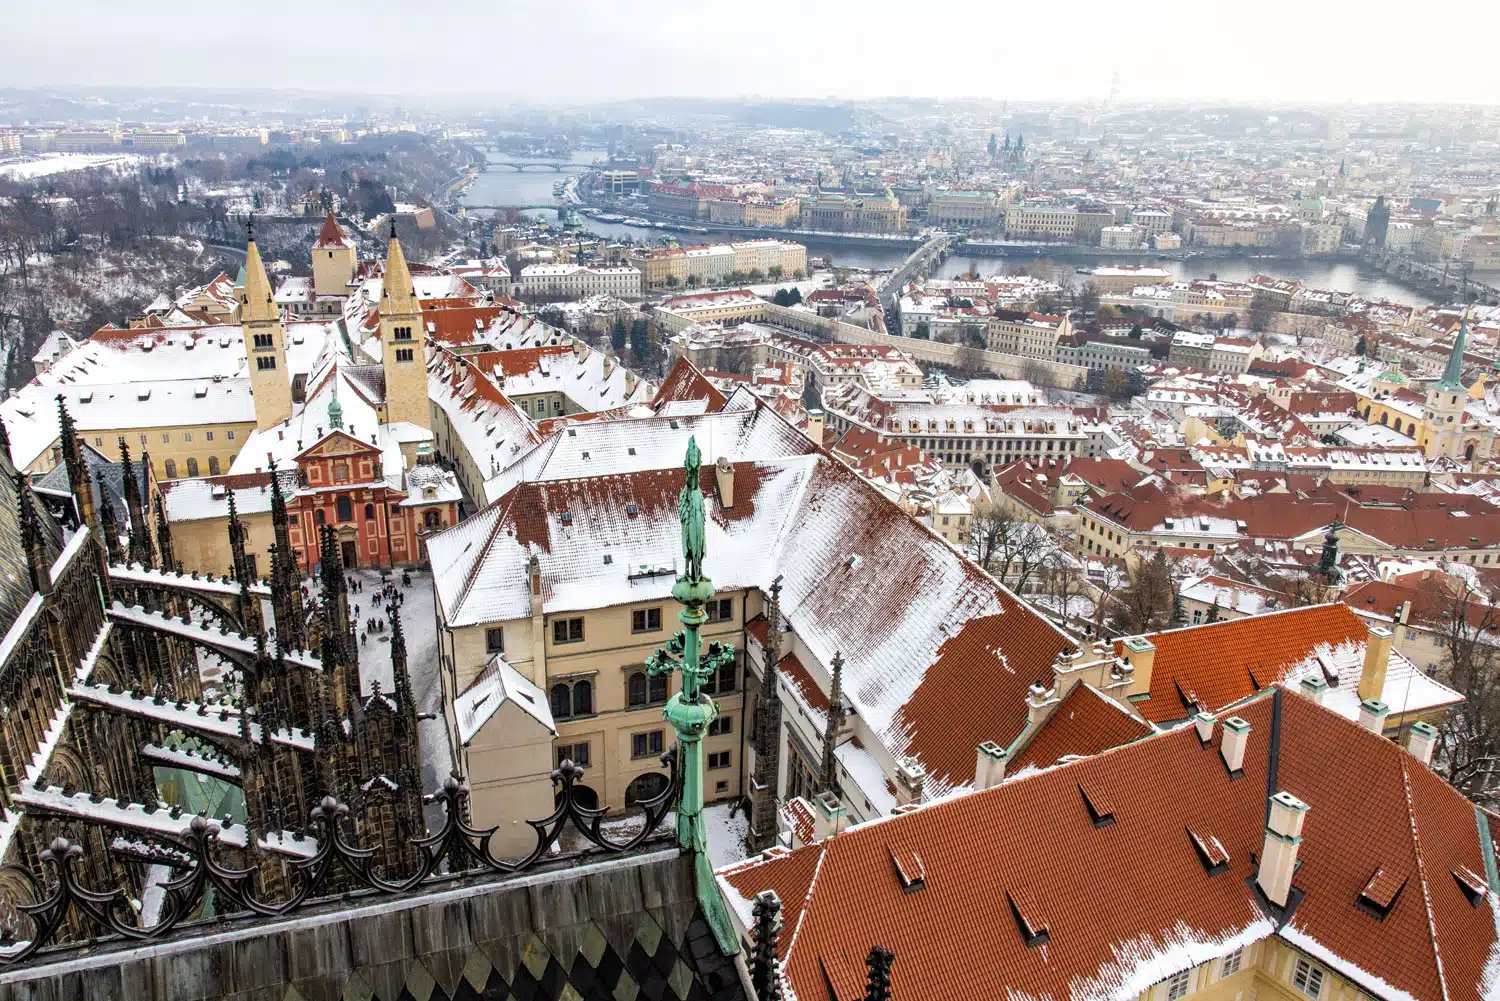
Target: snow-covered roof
x,y
496,685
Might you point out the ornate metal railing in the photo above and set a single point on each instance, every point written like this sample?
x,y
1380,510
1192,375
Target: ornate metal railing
x,y
456,850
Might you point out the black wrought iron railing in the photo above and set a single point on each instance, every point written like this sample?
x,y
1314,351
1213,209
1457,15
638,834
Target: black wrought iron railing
x,y
455,851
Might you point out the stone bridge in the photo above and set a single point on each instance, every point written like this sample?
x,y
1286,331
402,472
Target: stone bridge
x,y
539,165
1447,276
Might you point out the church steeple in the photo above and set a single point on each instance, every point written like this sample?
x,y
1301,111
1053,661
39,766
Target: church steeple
x,y
265,346
403,352
1452,375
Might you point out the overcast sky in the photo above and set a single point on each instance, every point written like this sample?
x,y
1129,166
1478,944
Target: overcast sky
x,y
570,51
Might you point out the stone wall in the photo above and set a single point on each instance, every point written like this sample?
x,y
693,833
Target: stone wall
x,y
624,927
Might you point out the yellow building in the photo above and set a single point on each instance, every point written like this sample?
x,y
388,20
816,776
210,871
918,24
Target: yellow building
x,y
403,343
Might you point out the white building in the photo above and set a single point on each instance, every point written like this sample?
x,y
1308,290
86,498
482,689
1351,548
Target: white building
x,y
577,281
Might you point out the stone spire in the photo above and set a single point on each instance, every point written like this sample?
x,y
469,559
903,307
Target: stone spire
x,y
828,778
5,441
164,537
335,410
78,469
286,583
256,302
761,833
690,711
878,978
398,296
1328,565
110,530
1452,380
31,539
140,530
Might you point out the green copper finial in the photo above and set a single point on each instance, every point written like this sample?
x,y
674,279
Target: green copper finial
x,y
690,711
335,412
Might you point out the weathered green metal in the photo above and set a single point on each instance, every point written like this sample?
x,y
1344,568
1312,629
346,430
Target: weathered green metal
x,y
690,711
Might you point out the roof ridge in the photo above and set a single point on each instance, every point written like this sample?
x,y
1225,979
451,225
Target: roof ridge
x,y
1416,841
807,899
1253,618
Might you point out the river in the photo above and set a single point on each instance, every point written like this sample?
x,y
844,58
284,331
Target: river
x,y
503,186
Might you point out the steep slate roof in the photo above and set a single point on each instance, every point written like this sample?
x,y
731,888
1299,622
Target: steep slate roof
x,y
919,626
684,382
1083,723
1129,904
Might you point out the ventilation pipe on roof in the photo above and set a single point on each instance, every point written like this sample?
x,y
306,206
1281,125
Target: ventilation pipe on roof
x,y
724,481
1420,740
910,778
1314,688
1377,660
1232,744
989,765
1372,714
1278,853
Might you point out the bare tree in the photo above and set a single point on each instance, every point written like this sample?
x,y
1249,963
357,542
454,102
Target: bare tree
x,y
1469,739
1146,604
1110,582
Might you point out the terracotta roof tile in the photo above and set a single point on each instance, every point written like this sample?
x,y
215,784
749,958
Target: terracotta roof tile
x,y
1127,904
1083,723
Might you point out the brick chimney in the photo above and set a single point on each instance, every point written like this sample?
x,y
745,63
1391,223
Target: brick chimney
x,y
1314,688
724,481
1204,723
1377,659
1232,744
989,765
1421,738
815,426
830,816
1278,853
1372,714
1140,653
910,777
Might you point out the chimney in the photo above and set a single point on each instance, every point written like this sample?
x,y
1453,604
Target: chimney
x,y
1204,722
910,776
1314,688
815,426
830,816
1141,653
1037,701
1372,714
1232,744
724,481
1420,740
1278,853
989,766
1377,659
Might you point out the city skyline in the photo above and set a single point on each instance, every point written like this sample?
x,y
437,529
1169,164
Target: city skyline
x,y
464,53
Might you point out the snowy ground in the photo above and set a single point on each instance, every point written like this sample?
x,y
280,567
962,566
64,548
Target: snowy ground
x,y
819,279
726,834
60,163
419,624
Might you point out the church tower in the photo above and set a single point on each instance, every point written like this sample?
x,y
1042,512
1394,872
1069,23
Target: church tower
x,y
334,259
265,345
1446,399
403,354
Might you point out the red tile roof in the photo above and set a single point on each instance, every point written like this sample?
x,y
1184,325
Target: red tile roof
x,y
1083,723
331,235
1128,904
684,382
1214,665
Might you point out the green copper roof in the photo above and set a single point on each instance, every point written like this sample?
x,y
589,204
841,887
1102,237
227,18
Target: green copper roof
x,y
1451,380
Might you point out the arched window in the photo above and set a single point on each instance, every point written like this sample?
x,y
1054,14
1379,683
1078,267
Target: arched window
x,y
583,698
562,705
213,465
1383,418
645,786
432,519
659,688
635,689
346,509
171,467
1469,450
369,512
318,518
192,467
